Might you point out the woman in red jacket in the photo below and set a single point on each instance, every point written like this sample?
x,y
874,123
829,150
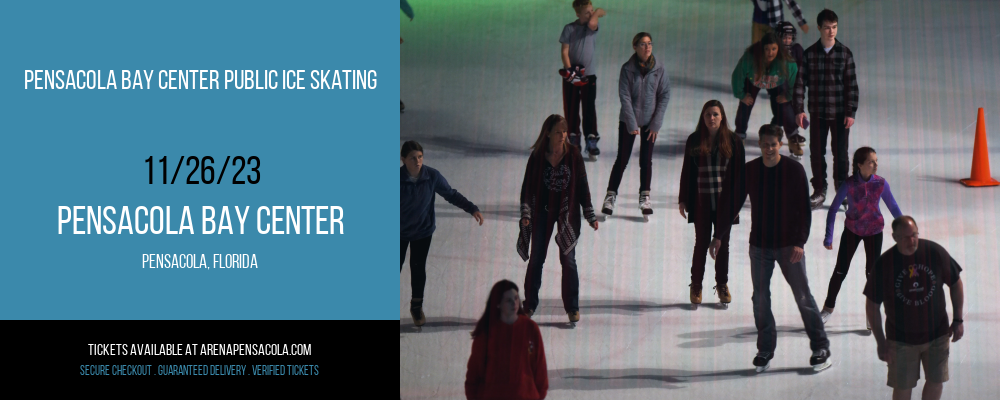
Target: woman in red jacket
x,y
508,359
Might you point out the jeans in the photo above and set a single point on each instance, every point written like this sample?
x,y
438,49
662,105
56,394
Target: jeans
x,y
418,263
572,97
626,140
541,232
702,240
817,150
848,246
761,267
783,113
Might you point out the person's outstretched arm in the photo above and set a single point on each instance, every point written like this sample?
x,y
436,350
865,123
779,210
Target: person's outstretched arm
x,y
890,201
442,188
831,216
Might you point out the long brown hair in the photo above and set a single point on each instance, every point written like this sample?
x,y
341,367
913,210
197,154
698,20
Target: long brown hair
x,y
492,306
542,143
724,137
760,64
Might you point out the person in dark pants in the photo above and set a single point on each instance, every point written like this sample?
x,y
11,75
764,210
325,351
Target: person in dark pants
x,y
644,91
908,280
780,219
828,72
418,183
553,194
580,74
709,152
765,65
863,222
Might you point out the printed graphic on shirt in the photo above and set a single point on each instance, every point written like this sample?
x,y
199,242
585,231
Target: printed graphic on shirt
x,y
915,285
557,178
767,82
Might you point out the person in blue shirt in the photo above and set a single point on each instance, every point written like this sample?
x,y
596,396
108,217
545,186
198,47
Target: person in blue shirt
x,y
418,183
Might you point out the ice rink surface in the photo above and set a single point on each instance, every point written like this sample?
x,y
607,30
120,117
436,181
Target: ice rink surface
x,y
478,79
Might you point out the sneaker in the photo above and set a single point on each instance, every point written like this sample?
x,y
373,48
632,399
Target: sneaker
x,y
820,360
695,294
417,312
763,361
644,204
724,295
817,198
825,314
574,316
609,203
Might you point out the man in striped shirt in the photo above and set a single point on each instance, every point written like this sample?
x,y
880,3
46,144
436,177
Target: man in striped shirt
x,y
828,72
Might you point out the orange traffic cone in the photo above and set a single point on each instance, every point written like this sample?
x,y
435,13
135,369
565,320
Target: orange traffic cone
x,y
980,158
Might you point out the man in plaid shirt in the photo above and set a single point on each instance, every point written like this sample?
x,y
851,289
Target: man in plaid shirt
x,y
767,14
828,72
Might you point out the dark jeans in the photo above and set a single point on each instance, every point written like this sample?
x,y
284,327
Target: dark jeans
x,y
848,246
625,142
418,263
541,232
761,268
702,240
783,113
572,97
817,150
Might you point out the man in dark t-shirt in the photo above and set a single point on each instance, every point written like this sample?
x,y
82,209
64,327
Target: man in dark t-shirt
x,y
909,280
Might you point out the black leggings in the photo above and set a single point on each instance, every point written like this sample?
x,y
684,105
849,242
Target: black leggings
x,y
848,246
418,264
626,140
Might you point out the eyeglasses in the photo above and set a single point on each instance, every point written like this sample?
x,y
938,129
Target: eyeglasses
x,y
644,44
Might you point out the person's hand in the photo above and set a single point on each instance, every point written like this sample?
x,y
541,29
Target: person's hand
x,y
594,225
797,255
714,248
828,246
479,217
800,119
805,28
957,331
525,221
681,208
887,353
781,99
848,122
652,136
747,100
600,12
635,132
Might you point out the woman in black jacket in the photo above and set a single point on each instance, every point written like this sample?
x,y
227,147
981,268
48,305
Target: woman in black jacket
x,y
709,151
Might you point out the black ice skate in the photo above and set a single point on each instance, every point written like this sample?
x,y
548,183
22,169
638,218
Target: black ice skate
x,y
592,149
817,198
417,312
820,360
763,361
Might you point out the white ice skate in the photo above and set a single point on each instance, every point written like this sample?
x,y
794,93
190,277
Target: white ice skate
x,y
645,206
609,205
820,360
825,314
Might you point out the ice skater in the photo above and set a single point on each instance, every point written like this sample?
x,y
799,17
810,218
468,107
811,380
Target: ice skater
x,y
709,153
553,194
764,65
828,72
418,183
644,91
579,74
508,357
780,219
863,222
767,14
909,280
786,33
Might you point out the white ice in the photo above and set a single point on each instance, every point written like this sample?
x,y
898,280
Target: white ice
x,y
478,79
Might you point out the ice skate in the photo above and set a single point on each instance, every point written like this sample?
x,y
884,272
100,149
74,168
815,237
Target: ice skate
x,y
763,361
609,204
825,314
574,317
695,294
817,198
417,312
795,146
820,360
645,205
724,296
592,150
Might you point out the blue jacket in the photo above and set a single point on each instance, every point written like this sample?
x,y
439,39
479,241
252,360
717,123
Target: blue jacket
x,y
416,202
